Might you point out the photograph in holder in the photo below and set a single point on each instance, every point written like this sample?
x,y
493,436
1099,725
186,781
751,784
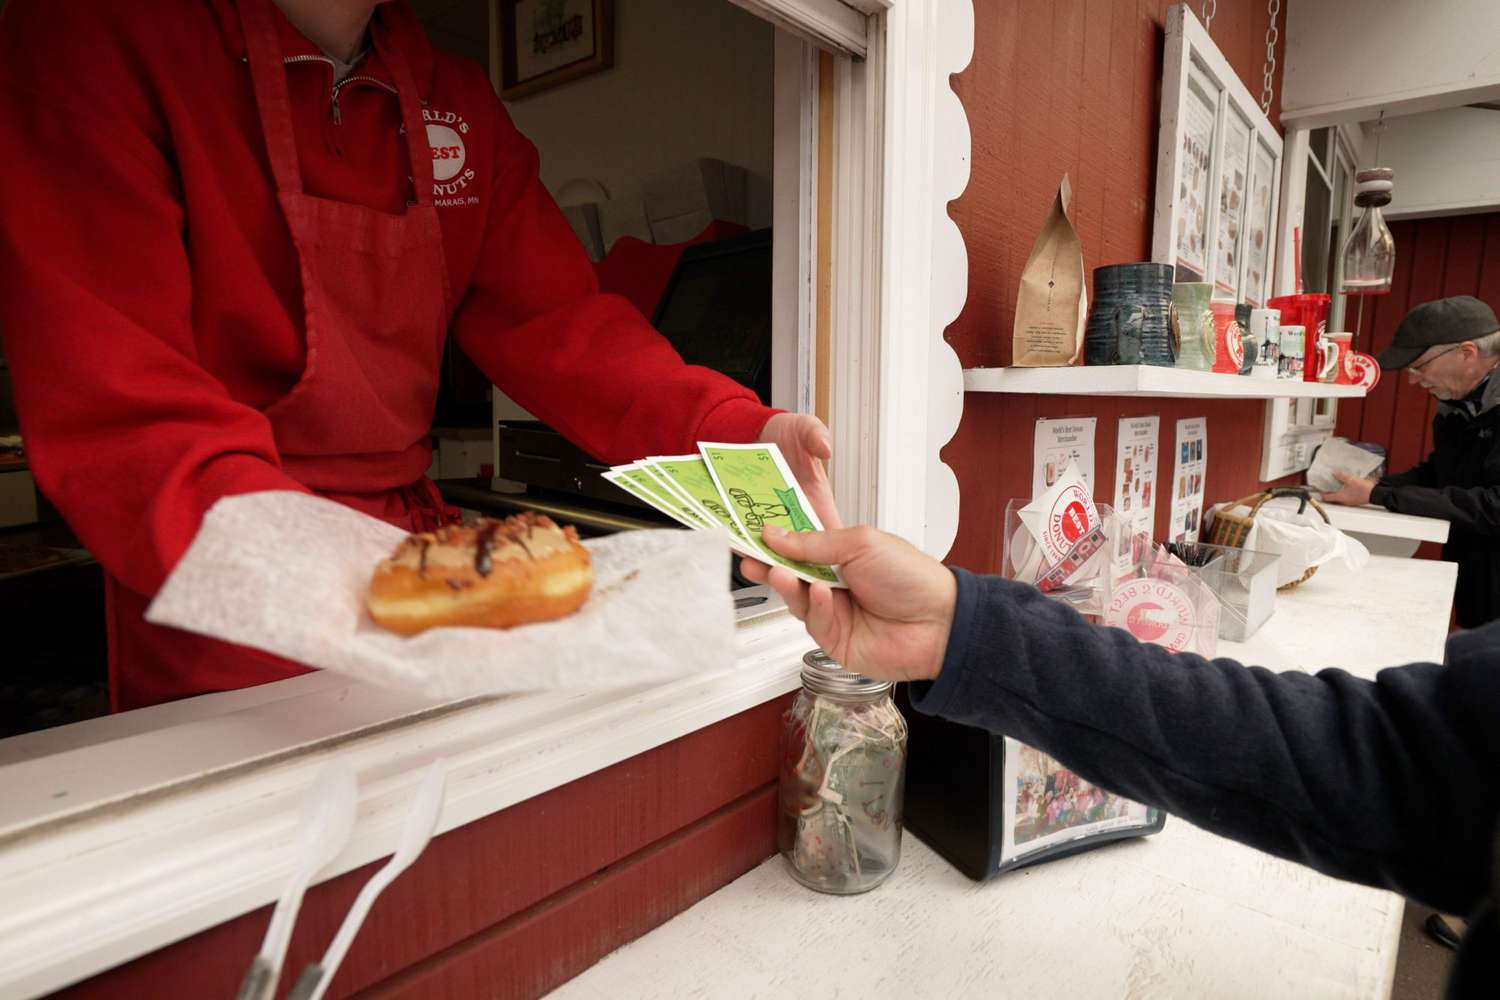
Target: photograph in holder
x,y
1049,811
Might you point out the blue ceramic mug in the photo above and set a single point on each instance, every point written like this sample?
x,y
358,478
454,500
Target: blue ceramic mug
x,y
1131,319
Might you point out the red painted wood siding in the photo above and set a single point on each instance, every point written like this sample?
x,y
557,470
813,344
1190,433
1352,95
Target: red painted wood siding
x,y
1071,87
1435,258
516,903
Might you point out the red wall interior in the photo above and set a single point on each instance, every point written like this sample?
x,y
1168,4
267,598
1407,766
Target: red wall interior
x,y
1435,258
1072,87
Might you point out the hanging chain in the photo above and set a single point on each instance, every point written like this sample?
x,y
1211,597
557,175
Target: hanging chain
x,y
1273,35
1210,8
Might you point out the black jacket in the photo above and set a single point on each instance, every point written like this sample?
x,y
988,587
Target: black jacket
x,y
1392,783
1460,483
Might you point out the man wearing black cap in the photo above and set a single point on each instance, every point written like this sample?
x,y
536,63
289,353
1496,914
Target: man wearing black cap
x,y
1450,347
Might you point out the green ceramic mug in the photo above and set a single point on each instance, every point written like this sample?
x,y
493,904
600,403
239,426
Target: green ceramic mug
x,y
1193,324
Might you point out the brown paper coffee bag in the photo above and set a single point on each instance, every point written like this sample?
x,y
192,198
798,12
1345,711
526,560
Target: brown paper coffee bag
x,y
1052,306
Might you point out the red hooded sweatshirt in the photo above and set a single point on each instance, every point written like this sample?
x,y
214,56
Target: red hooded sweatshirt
x,y
150,300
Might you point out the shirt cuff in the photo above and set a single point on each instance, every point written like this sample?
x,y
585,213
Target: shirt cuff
x,y
1382,496
936,697
735,421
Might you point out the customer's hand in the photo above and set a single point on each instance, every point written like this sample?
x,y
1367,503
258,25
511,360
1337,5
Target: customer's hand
x,y
1354,493
807,445
893,621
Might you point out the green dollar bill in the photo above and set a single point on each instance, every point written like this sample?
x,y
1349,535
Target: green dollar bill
x,y
825,847
690,477
642,486
759,488
649,466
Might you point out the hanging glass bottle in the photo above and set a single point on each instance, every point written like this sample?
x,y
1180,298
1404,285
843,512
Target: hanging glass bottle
x,y
1370,252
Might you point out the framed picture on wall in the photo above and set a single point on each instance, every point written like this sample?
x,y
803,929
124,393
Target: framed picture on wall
x,y
1234,182
539,44
1218,170
1195,143
1259,234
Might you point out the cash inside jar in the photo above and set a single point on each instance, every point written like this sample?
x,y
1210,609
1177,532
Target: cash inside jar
x,y
843,763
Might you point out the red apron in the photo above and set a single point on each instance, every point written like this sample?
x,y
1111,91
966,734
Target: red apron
x,y
354,428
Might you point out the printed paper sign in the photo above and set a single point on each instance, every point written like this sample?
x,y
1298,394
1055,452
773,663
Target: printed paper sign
x,y
1135,486
1058,444
1191,458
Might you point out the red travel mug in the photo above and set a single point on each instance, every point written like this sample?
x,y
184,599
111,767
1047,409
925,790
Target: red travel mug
x,y
1309,311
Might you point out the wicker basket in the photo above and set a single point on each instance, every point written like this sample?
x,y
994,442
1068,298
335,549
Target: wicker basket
x,y
1231,530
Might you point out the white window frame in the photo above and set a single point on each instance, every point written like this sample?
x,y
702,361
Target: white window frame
x,y
128,833
899,273
1293,428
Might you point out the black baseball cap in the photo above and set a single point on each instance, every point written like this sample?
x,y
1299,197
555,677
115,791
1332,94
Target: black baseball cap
x,y
1442,321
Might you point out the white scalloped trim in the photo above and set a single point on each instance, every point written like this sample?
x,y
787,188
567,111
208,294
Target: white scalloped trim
x,y
950,271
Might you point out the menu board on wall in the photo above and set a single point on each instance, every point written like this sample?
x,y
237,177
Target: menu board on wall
x,y
1058,443
1191,459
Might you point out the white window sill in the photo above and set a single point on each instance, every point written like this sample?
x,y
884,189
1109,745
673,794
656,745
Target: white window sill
x,y
1371,520
122,835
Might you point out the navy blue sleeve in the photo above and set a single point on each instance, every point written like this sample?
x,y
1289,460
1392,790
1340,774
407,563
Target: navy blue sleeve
x,y
1392,783
1418,475
1468,508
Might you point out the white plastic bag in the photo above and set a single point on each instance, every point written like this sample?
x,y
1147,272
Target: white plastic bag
x,y
1301,539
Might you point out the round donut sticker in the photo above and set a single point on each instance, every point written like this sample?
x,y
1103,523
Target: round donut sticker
x,y
1361,370
1069,519
1236,345
1074,522
1153,611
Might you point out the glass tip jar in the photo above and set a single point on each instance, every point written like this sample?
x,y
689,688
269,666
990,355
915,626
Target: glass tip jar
x,y
843,765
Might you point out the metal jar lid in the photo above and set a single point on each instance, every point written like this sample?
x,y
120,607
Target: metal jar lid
x,y
822,674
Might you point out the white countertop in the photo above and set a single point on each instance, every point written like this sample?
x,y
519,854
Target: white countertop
x,y
1372,520
1180,914
121,835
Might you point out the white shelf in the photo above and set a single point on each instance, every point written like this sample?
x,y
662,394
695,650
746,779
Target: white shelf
x,y
1146,380
1379,521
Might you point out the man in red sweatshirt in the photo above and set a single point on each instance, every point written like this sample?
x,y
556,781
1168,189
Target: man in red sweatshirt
x,y
234,235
